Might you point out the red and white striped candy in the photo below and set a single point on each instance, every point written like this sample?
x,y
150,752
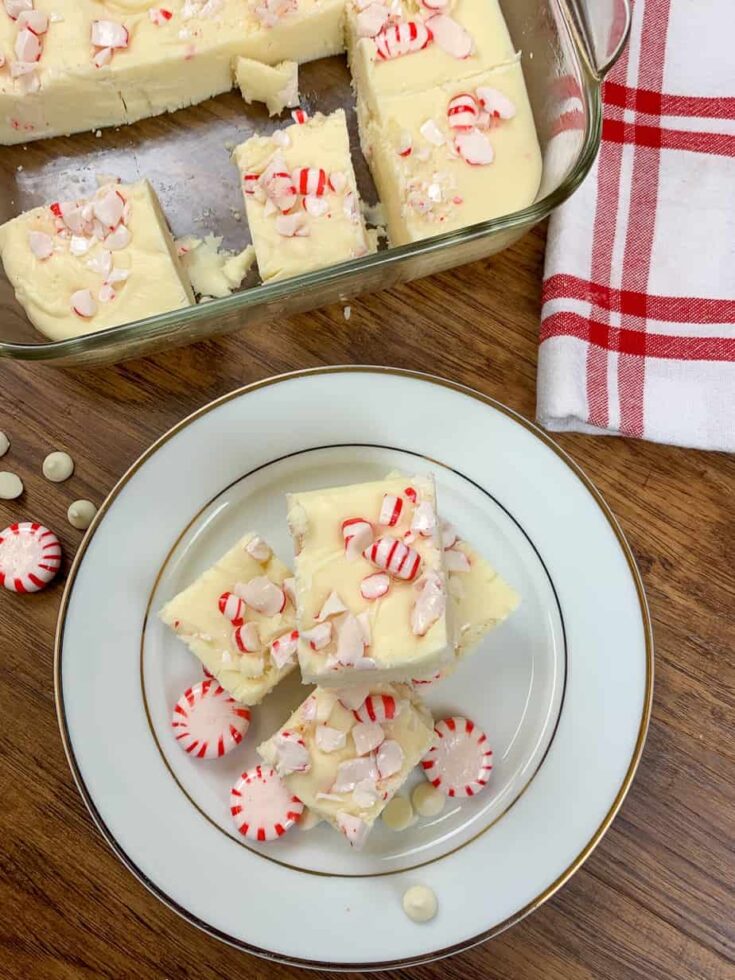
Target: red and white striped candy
x,y
333,606
247,638
280,189
207,722
354,828
310,180
27,46
430,604
495,103
30,557
399,39
393,556
462,111
250,182
262,595
318,636
456,560
375,586
390,510
261,805
34,20
460,760
424,519
300,116
357,534
450,36
474,148
377,707
14,8
284,647
83,303
232,607
159,15
410,493
292,754
435,5
109,34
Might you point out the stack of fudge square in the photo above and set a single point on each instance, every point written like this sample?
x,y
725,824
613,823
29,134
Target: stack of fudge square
x,y
384,599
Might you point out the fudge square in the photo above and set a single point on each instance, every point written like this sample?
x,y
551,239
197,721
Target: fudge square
x,y
86,265
345,753
371,588
301,197
238,620
452,155
407,47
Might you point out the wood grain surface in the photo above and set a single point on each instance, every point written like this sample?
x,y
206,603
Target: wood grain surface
x,y
655,900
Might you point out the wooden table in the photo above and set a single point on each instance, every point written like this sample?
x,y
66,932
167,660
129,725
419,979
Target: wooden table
x,y
654,900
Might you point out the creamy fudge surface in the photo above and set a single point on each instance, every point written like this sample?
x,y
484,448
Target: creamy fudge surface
x,y
481,600
345,766
331,564
434,177
82,266
112,62
301,197
195,616
479,24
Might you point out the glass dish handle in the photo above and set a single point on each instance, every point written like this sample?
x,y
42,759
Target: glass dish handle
x,y
603,26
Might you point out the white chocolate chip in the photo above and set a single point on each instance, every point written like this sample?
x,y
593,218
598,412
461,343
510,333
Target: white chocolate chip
x,y
428,801
4,444
58,467
398,814
11,486
419,903
81,514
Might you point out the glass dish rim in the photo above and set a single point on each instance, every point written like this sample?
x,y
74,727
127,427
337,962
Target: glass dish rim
x,y
262,294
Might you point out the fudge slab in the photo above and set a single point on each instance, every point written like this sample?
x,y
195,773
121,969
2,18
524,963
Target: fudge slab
x,y
53,253
350,798
394,649
427,187
303,231
195,617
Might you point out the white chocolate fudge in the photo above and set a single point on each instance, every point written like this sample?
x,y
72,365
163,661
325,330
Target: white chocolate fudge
x,y
344,754
213,270
238,620
435,175
82,266
481,598
463,39
275,85
301,197
370,582
107,62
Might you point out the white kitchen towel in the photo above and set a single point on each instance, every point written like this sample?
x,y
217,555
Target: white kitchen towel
x,y
638,318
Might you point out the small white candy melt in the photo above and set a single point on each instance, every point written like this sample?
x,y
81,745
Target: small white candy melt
x,y
81,514
419,903
4,444
11,486
58,467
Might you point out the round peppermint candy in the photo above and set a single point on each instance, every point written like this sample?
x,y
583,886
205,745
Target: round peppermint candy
x,y
460,760
262,806
207,722
30,557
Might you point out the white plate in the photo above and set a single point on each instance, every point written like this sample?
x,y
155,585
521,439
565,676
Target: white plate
x,y
563,688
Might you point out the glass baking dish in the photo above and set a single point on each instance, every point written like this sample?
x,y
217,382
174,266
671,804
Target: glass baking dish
x,y
567,47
